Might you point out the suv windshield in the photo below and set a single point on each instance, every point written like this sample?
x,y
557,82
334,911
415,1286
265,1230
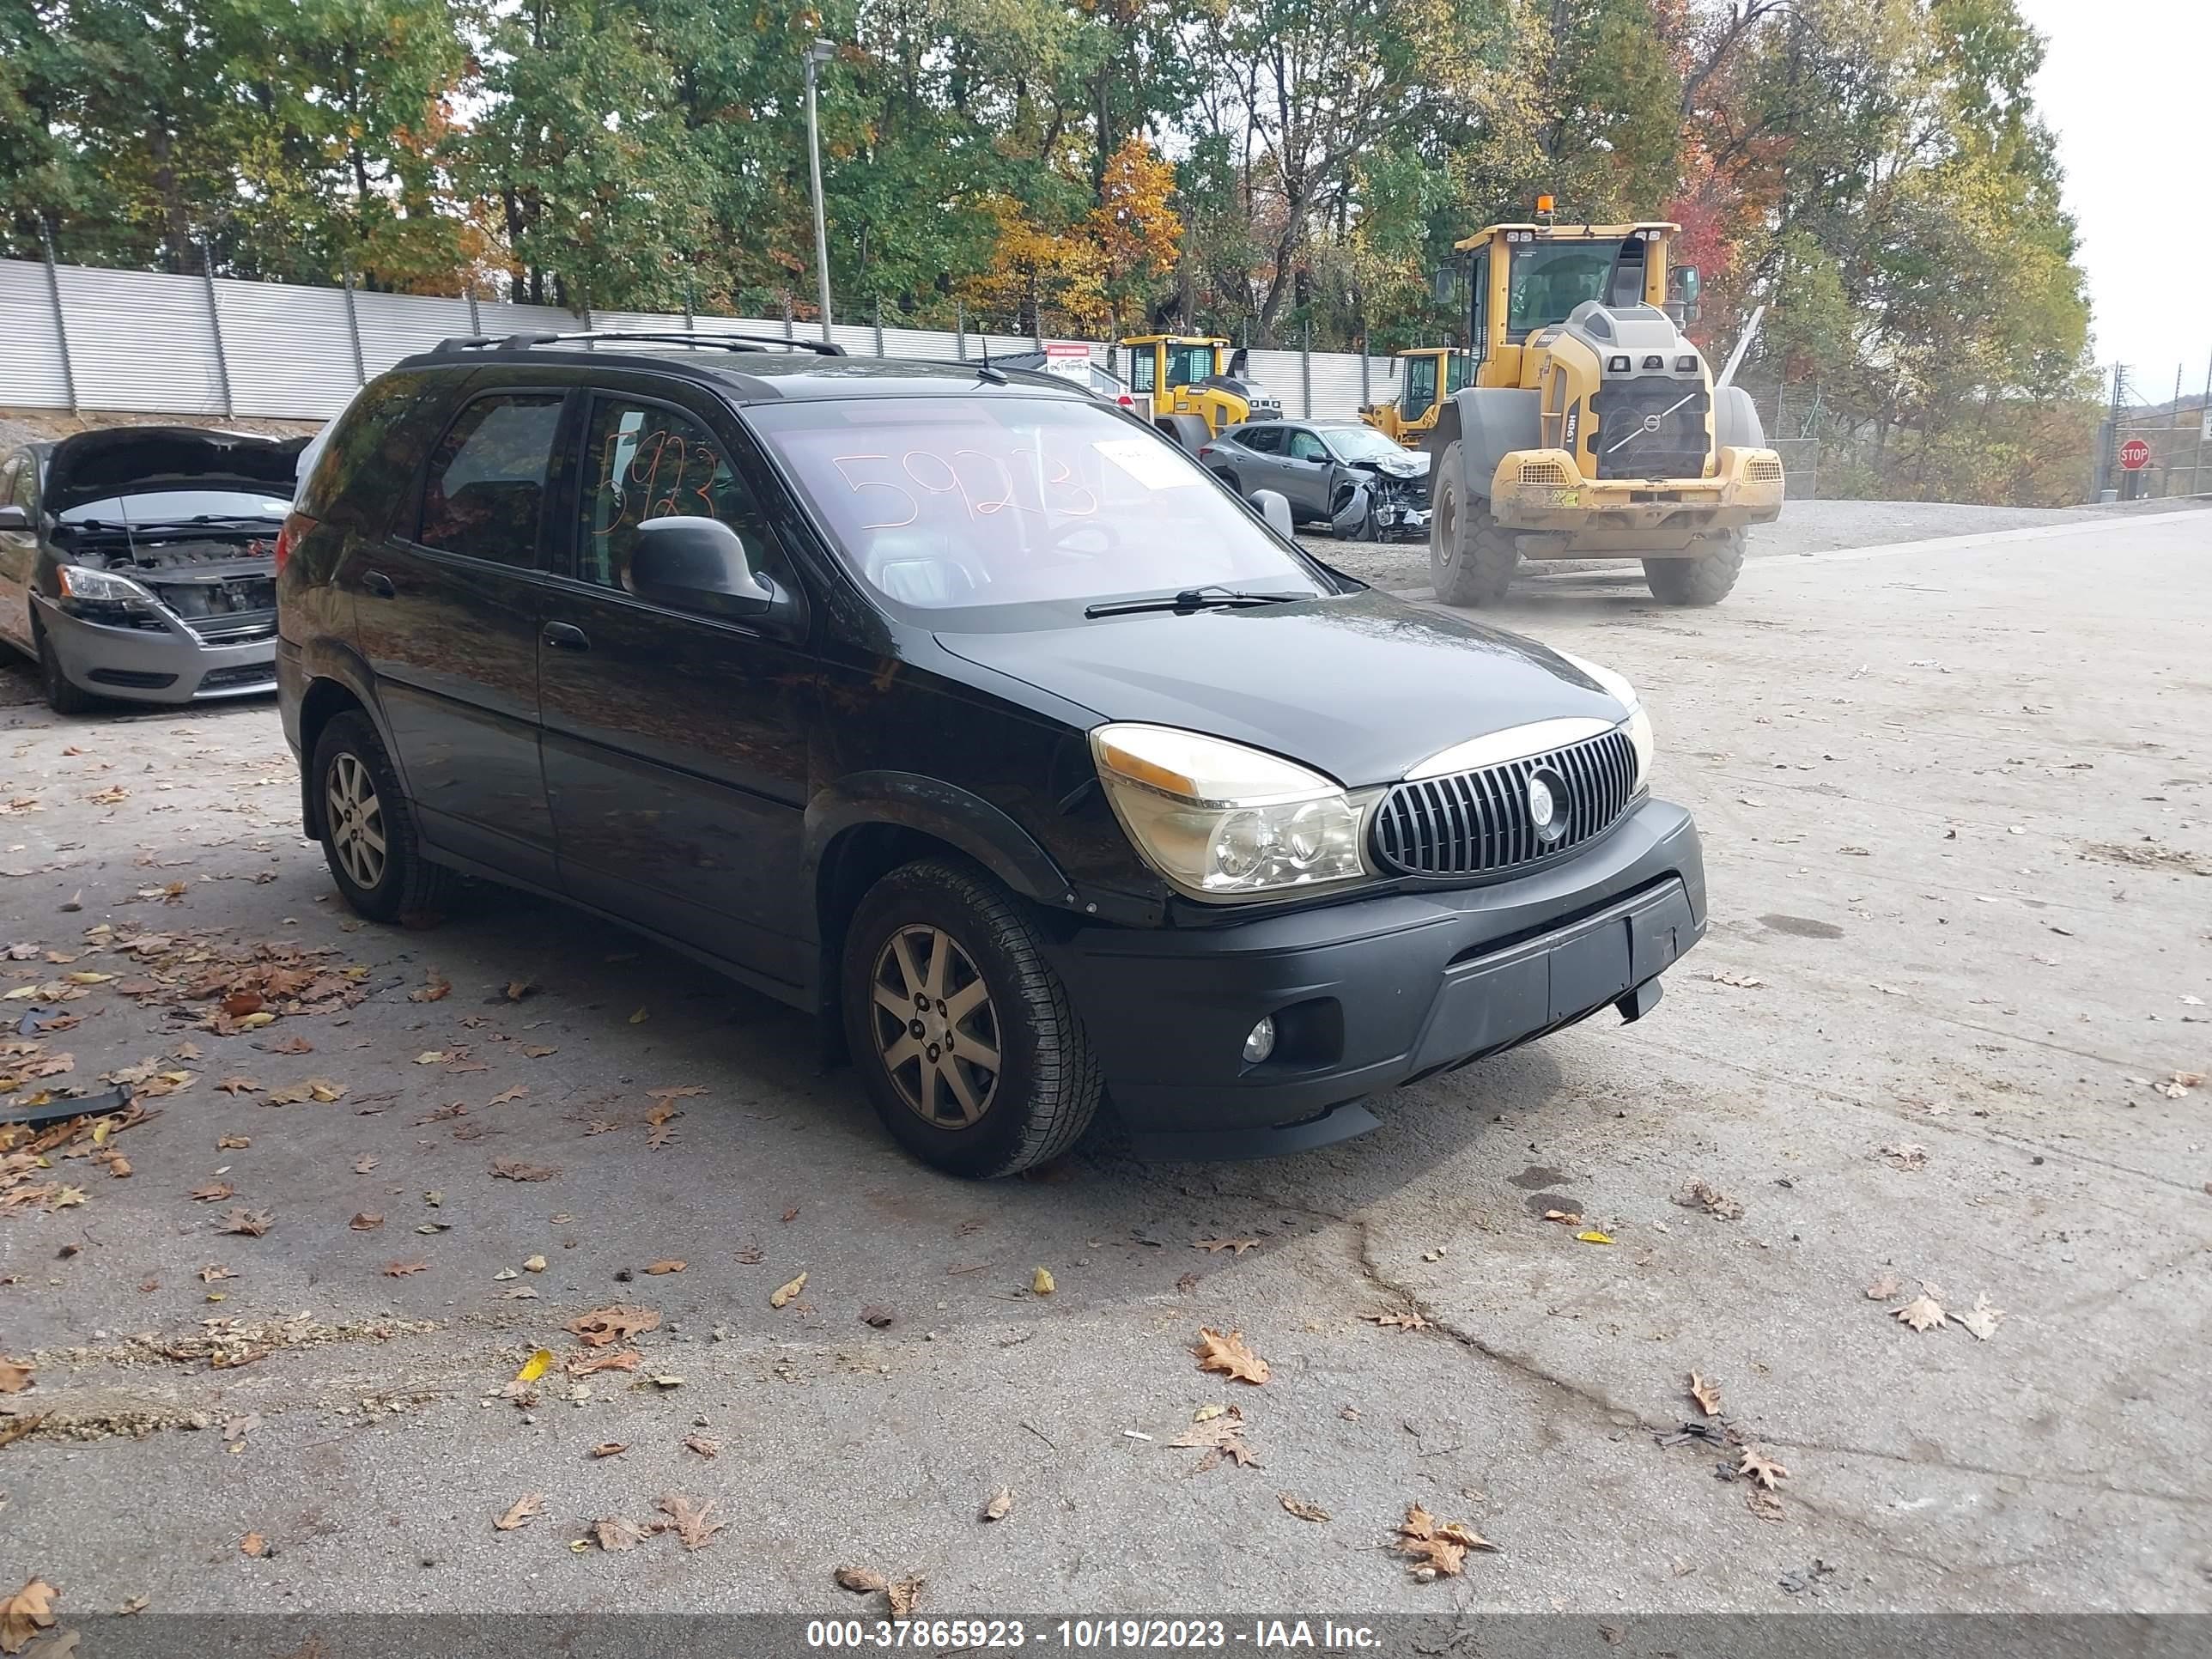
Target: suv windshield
x,y
1360,443
949,502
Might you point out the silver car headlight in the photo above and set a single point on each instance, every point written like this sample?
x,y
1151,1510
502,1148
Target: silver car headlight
x,y
1638,723
1220,821
78,581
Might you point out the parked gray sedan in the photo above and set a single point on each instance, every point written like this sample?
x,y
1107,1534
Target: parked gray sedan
x,y
1341,473
139,562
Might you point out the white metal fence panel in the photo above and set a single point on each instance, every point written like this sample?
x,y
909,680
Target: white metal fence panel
x,y
1335,385
32,371
289,349
924,342
1278,372
499,317
145,343
396,325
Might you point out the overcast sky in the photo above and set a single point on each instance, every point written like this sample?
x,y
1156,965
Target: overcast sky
x,y
2124,86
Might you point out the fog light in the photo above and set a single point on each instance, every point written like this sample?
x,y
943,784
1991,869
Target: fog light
x,y
1262,1043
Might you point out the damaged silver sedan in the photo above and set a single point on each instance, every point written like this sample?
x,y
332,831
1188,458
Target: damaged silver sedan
x,y
138,563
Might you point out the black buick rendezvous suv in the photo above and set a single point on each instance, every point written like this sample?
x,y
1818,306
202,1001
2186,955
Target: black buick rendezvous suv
x,y
966,713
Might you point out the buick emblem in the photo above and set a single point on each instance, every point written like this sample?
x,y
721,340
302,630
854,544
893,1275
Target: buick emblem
x,y
1547,805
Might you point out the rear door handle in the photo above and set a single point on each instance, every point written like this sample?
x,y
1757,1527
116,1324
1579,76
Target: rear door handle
x,y
566,637
379,585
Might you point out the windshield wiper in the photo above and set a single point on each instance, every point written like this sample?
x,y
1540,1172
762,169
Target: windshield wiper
x,y
1192,599
204,521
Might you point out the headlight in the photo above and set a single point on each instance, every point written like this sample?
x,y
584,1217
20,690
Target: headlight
x,y
100,596
1638,723
1221,821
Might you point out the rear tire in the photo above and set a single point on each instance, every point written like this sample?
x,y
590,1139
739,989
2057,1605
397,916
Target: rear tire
x,y
1472,557
1705,580
1228,483
63,695
368,830
982,1068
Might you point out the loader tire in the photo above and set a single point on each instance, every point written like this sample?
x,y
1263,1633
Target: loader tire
x,y
1702,581
1472,557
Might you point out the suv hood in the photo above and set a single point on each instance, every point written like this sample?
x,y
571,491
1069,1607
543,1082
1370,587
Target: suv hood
x,y
92,466
1361,686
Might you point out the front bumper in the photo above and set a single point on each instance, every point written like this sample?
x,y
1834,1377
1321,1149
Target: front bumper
x,y
1539,490
136,664
1373,993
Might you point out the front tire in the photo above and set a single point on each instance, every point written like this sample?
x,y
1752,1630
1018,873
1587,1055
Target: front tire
x,y
63,694
1472,557
368,830
964,1036
1705,580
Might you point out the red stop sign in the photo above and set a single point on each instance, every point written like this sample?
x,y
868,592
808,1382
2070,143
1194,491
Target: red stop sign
x,y
2135,455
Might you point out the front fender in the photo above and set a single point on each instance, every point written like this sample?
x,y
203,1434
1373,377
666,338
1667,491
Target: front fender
x,y
950,813
1490,422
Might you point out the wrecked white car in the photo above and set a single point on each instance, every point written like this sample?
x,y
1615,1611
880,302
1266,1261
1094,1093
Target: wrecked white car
x,y
137,563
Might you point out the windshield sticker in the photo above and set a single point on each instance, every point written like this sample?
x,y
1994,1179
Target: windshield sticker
x,y
1151,463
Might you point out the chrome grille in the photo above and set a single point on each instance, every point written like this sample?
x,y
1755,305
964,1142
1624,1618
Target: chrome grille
x,y
1478,822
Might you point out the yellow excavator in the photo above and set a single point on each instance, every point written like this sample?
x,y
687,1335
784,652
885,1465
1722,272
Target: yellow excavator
x,y
1410,416
1593,427
1195,385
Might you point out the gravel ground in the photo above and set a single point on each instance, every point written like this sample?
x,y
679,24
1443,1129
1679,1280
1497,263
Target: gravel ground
x,y
1961,874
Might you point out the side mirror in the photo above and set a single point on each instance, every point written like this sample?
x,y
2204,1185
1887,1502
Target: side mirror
x,y
13,517
697,564
1276,510
1684,283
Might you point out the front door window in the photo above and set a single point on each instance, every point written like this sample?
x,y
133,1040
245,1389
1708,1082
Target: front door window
x,y
647,461
1420,387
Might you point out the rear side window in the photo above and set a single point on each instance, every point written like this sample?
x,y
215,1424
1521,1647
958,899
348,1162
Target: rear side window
x,y
1264,440
485,493
369,454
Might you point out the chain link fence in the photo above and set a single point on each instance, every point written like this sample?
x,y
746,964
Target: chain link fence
x,y
2147,450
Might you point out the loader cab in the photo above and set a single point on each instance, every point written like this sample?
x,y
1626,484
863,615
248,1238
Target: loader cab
x,y
1421,372
1158,363
1527,278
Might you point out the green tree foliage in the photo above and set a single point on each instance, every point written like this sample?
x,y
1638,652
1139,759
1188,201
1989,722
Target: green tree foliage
x,y
1873,172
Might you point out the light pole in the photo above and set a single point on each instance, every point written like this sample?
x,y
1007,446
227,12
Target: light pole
x,y
817,54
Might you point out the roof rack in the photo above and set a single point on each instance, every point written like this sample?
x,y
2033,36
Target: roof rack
x,y
460,342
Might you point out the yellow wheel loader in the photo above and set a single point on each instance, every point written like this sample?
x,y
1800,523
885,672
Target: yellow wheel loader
x,y
1196,386
1410,416
1593,427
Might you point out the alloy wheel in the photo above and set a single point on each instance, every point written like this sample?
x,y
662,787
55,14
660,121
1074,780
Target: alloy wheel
x,y
937,1030
355,819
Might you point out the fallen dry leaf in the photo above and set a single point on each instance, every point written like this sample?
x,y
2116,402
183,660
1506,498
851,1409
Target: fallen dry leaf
x,y
1741,982
401,1269
252,1224
784,1293
861,1581
617,1324
609,1449
509,1170
1229,1355
533,1264
437,990
1762,1468
214,1271
1706,1393
1922,1313
1981,1320
665,1267
615,1533
704,1447
903,1594
622,1359
367,1221
1905,1155
1594,1237
505,1095
693,1528
1300,1507
525,1507
15,1374
1406,1319
213,1193
1221,1433
999,1506
1435,1549
535,1052
254,1544
1764,1504
1698,1195
1041,1282
235,1086
232,1143
1564,1218
365,1162
1215,1246
1884,1287
25,1614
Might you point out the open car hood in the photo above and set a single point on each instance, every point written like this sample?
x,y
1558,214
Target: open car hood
x,y
92,466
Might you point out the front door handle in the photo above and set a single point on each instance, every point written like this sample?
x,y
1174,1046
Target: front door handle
x,y
379,585
566,637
